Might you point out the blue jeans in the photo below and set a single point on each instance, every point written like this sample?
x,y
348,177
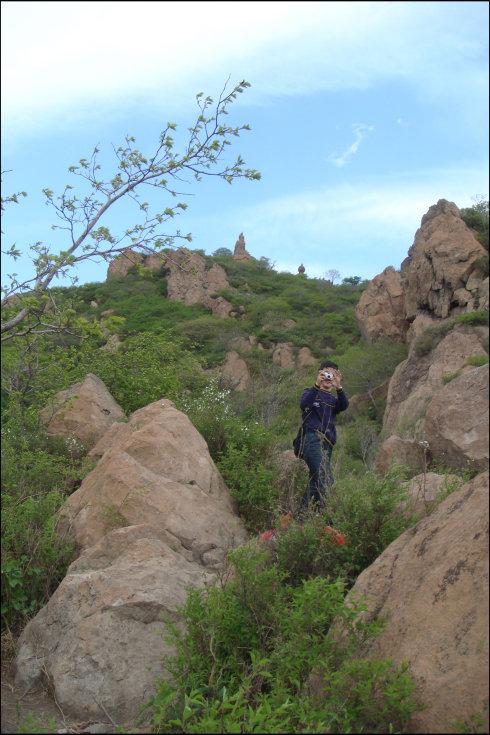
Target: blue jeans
x,y
317,454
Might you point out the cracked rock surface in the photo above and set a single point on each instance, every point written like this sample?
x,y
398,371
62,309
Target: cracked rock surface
x,y
152,519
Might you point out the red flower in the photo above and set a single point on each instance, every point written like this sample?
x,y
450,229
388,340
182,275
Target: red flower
x,y
266,536
336,537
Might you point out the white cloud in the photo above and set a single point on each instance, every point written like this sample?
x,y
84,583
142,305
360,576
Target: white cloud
x,y
66,61
360,131
358,228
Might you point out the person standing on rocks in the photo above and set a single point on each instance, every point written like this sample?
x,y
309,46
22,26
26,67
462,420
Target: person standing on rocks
x,y
319,407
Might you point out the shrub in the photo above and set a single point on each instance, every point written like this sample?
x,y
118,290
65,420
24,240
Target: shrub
x,y
447,377
477,360
473,317
249,648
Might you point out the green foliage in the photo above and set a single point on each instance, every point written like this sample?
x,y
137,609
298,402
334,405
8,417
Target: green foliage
x,y
32,724
477,360
473,318
475,723
366,366
448,377
477,218
250,647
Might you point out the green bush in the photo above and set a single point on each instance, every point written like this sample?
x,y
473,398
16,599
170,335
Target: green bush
x,y
477,360
477,218
472,317
249,649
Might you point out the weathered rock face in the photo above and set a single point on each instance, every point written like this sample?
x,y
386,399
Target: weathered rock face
x,y
100,635
401,451
381,308
121,264
84,411
440,262
152,518
432,584
240,252
417,380
235,370
360,401
456,423
189,282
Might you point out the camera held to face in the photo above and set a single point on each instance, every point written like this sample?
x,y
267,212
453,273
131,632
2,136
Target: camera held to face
x,y
327,375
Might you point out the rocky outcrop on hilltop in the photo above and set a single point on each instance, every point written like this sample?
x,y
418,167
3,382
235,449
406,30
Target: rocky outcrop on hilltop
x,y
240,252
82,413
440,263
431,584
188,281
439,278
121,264
152,519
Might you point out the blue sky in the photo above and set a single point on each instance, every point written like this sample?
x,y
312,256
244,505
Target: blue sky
x,y
363,115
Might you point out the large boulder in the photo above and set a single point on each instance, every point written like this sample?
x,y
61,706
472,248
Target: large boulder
x,y
456,422
440,262
82,413
381,309
99,638
153,518
423,492
419,378
431,584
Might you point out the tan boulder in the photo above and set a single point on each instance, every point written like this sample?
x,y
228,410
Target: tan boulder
x,y
121,264
456,423
381,308
219,306
153,518
440,261
418,379
283,355
82,412
305,358
431,584
113,344
99,638
396,450
153,470
235,370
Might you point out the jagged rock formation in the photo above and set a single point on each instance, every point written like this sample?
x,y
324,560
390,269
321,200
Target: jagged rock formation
x,y
188,281
240,252
381,308
440,263
439,278
121,264
82,412
431,583
153,518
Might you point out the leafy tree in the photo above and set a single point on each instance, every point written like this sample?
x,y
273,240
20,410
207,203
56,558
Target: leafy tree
x,y
223,251
31,310
352,280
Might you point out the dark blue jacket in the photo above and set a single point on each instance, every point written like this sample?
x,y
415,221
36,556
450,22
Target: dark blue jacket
x,y
319,409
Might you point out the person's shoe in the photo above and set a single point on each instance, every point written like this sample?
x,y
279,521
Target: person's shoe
x,y
336,537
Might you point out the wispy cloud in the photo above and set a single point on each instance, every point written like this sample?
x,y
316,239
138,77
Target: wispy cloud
x,y
360,130
358,228
66,61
